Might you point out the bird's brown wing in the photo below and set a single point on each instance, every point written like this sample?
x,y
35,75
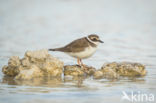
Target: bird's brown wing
x,y
75,46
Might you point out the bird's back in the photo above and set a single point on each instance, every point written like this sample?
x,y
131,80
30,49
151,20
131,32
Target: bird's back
x,y
76,45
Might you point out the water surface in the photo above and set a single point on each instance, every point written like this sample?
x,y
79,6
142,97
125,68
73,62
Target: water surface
x,y
128,29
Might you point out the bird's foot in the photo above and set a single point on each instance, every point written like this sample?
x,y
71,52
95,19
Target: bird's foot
x,y
84,67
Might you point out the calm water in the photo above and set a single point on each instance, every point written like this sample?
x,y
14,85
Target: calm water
x,y
128,28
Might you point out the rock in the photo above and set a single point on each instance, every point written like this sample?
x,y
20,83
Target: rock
x,y
14,61
34,64
107,73
76,70
28,74
115,70
36,56
53,67
110,73
73,70
98,74
25,62
89,70
126,68
10,71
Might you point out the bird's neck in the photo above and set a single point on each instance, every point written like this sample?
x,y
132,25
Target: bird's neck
x,y
91,43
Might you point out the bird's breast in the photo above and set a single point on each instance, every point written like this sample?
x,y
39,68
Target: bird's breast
x,y
87,52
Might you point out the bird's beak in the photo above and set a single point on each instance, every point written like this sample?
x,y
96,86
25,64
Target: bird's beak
x,y
101,41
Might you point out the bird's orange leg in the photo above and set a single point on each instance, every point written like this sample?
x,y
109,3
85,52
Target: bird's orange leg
x,y
82,64
78,61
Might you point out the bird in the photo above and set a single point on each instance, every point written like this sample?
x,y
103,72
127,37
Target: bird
x,y
81,48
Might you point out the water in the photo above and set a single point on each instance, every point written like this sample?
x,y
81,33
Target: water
x,y
128,29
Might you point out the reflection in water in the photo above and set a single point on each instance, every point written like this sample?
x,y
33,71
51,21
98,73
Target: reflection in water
x,y
121,81
45,81
76,81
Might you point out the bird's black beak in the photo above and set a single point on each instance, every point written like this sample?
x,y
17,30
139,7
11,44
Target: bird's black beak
x,y
101,41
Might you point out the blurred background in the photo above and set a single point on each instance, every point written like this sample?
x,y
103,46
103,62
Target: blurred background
x,y
128,28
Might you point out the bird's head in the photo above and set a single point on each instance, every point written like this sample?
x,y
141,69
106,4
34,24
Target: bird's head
x,y
94,39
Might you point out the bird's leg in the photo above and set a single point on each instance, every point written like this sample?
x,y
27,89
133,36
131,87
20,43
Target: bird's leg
x,y
83,64
78,61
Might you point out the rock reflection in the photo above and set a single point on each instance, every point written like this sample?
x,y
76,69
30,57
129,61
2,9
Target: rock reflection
x,y
45,81
77,80
135,79
121,81
74,81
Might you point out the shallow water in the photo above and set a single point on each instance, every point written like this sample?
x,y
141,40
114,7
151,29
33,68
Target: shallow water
x,y
128,29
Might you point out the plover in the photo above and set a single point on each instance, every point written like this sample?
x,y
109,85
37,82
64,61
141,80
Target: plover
x,y
81,48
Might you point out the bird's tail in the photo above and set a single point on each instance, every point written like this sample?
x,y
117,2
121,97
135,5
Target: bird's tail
x,y
55,49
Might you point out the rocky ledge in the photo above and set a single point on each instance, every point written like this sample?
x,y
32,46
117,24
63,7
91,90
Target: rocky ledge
x,y
36,64
76,70
116,70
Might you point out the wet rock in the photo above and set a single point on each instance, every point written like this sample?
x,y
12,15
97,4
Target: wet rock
x,y
34,64
107,73
114,70
89,70
52,67
10,71
98,74
25,62
30,73
76,70
127,68
73,70
14,61
110,73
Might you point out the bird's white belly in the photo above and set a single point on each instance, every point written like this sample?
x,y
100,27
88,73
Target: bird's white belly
x,y
84,54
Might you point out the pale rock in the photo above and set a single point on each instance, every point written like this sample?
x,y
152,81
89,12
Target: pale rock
x,y
31,73
14,61
34,64
114,70
76,70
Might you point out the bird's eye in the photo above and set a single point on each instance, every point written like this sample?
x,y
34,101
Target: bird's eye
x,y
94,39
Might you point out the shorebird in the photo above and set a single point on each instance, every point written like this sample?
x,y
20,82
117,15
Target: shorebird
x,y
81,48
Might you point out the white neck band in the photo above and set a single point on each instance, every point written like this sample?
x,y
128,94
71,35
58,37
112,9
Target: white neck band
x,y
90,40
